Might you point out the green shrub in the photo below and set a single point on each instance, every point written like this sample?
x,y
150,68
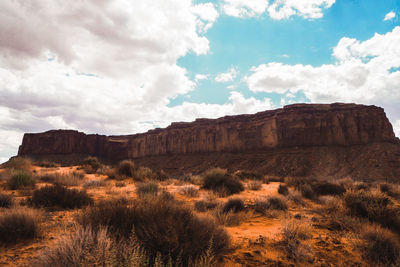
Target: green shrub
x,y
382,247
147,188
161,225
126,168
221,182
60,196
6,200
19,224
21,180
283,190
234,205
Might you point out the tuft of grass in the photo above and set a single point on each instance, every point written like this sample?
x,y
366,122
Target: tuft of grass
x,y
94,183
294,233
143,173
390,189
221,182
163,227
382,246
376,207
234,205
283,190
147,188
120,184
21,180
67,179
229,218
60,196
19,224
189,190
254,185
6,200
126,168
271,203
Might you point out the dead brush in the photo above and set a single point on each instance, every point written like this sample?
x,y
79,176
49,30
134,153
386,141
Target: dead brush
x,y
189,190
294,233
254,185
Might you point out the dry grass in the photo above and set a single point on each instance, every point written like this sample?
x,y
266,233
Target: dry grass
x,y
6,200
283,190
126,168
73,178
221,182
208,202
94,183
254,185
294,232
189,190
234,205
18,163
18,224
21,180
150,188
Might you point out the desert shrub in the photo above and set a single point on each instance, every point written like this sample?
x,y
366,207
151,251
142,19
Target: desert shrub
x,y
91,164
243,175
161,225
120,184
147,188
233,204
221,182
307,191
272,203
254,185
94,183
205,204
189,190
229,218
373,206
18,163
19,224
283,190
294,232
296,197
126,168
143,173
382,246
21,180
326,188
67,179
60,196
390,190
6,200
46,164
273,179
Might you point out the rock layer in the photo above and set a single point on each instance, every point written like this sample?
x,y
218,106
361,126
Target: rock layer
x,y
298,126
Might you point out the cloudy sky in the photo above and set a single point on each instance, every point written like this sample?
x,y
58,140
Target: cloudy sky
x,y
123,66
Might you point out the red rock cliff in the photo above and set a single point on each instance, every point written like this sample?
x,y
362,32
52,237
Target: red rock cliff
x,y
299,125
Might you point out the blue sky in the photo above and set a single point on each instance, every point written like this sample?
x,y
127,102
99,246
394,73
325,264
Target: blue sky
x,y
123,67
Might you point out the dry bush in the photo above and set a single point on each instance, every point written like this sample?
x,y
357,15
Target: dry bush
x,y
272,203
221,182
6,200
143,173
126,168
376,207
382,246
120,184
307,191
254,185
283,190
390,189
311,188
18,163
18,224
66,178
189,190
273,179
324,188
161,225
250,175
229,218
47,164
94,183
21,180
296,197
147,188
294,232
208,202
60,196
91,164
234,205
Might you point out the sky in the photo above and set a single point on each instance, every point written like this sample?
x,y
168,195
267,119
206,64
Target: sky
x,y
124,67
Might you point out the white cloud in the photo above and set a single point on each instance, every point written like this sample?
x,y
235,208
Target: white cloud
x,y
97,66
207,15
389,16
277,9
244,8
227,76
365,72
396,128
200,77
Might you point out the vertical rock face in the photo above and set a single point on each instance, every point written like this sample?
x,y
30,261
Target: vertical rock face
x,y
300,125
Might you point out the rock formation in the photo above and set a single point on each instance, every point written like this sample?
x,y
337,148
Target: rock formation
x,y
299,127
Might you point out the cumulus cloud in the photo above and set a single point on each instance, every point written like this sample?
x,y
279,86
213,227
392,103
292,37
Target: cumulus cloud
x,y
100,66
207,15
200,77
389,16
228,76
396,128
365,72
277,9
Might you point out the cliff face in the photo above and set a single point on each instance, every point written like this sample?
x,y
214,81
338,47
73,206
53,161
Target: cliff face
x,y
294,126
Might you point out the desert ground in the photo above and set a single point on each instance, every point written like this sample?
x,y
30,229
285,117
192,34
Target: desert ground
x,y
92,214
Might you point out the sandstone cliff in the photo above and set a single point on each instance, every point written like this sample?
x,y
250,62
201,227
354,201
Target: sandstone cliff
x,y
299,126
